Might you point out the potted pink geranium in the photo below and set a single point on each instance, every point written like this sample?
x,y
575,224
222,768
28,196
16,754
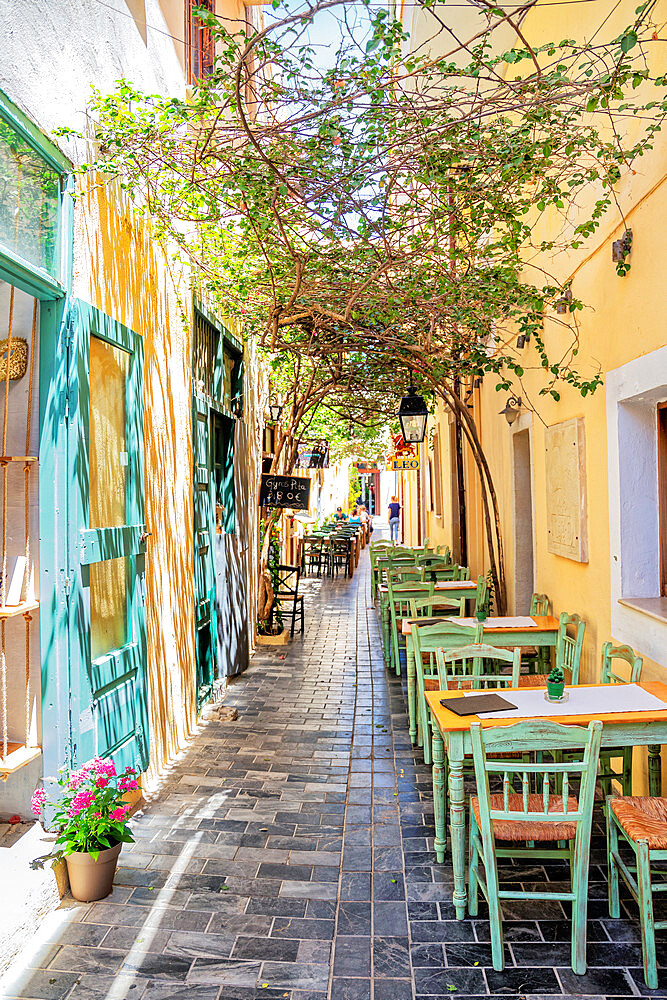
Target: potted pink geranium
x,y
90,817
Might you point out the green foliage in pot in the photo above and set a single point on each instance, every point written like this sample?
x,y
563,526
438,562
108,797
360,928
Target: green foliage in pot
x,y
90,813
556,682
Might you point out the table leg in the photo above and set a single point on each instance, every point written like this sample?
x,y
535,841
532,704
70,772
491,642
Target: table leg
x,y
384,616
411,671
439,798
654,770
457,813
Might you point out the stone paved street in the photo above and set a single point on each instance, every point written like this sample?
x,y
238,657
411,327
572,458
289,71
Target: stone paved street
x,y
289,856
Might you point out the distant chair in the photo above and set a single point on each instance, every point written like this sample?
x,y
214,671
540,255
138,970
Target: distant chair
x,y
568,647
482,595
539,604
339,556
288,593
612,659
314,554
537,659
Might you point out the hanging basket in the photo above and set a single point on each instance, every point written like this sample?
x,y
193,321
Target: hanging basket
x,y
18,358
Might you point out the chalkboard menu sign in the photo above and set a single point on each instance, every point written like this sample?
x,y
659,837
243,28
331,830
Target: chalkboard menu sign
x,y
284,491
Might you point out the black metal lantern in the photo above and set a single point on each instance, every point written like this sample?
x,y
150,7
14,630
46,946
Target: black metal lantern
x,y
413,415
511,409
275,411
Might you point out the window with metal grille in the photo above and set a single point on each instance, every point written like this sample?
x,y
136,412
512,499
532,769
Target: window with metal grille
x,y
199,42
205,347
217,366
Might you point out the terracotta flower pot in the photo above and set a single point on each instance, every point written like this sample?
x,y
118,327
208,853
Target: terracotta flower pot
x,y
89,879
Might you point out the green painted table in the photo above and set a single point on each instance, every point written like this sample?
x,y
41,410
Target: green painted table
x,y
451,734
544,633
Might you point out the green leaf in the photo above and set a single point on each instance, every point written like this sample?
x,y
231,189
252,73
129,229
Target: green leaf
x,y
628,41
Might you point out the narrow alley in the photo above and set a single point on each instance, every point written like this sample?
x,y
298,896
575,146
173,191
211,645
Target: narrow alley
x,y
289,856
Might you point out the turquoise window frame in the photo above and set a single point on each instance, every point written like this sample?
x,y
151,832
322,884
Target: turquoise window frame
x,y
16,270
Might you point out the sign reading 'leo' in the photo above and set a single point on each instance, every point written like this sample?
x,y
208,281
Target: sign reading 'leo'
x,y
284,491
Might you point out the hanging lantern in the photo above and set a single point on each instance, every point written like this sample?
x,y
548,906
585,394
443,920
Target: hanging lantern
x,y
413,415
275,411
511,409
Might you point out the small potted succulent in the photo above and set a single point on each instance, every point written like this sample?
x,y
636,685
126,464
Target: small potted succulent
x,y
556,684
90,818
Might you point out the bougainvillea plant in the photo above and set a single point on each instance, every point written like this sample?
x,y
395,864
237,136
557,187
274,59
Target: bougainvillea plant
x,y
90,812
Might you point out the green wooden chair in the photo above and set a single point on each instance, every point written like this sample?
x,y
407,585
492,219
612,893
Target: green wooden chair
x,y
426,639
448,571
434,568
432,558
539,604
534,818
437,606
478,667
612,658
401,592
482,595
641,822
568,647
538,660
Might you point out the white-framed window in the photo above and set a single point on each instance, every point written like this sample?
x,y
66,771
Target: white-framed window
x,y
637,467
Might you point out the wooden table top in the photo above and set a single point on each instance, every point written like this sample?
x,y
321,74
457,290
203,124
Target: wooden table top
x,y
441,585
451,722
543,623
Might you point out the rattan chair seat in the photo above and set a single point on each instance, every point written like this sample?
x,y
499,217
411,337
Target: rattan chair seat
x,y
643,818
533,681
520,831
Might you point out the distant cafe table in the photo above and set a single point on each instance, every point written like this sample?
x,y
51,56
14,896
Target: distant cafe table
x,y
497,632
630,713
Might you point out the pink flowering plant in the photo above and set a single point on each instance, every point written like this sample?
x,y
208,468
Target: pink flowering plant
x,y
90,813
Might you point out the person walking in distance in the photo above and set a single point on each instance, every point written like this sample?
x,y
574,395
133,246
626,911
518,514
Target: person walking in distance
x,y
394,509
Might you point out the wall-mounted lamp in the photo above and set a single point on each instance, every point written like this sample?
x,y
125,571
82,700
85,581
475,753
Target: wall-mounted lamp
x,y
511,409
620,251
562,304
621,248
275,412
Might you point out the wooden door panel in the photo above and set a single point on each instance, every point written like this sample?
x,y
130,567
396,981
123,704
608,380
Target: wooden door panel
x,y
107,542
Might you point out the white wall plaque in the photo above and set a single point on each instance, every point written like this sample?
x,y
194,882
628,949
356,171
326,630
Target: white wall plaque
x,y
565,450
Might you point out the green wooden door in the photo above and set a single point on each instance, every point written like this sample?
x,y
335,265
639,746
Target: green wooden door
x,y
204,530
106,541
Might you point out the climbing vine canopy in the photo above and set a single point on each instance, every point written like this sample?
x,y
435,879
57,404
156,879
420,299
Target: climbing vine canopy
x,y
384,211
